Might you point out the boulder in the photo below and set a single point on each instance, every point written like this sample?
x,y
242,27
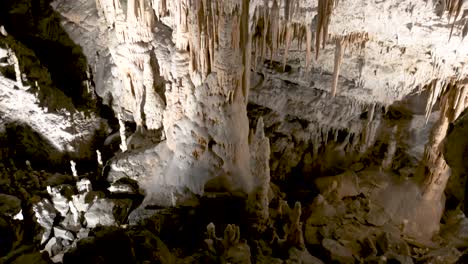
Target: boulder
x,y
444,255
100,212
297,256
9,205
45,214
339,186
338,252
62,233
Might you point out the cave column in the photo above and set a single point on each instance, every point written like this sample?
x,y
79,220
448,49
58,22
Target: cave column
x,y
435,169
206,120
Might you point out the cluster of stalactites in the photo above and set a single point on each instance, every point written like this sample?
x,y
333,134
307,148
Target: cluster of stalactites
x,y
356,39
139,24
201,26
136,26
453,101
453,8
111,9
188,41
213,35
272,29
324,134
440,82
325,8
160,7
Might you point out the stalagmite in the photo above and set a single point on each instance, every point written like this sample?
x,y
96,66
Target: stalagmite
x,y
99,157
369,130
294,235
391,149
123,137
3,31
260,169
73,168
15,62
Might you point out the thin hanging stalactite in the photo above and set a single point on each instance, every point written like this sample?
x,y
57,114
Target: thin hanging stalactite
x,y
308,45
274,29
288,38
339,51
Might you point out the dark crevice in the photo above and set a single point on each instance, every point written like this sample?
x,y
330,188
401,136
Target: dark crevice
x,y
37,26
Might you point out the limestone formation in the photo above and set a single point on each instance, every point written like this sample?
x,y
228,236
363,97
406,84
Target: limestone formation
x,y
131,130
452,104
73,168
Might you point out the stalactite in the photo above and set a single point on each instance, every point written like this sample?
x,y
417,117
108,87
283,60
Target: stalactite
x,y
325,8
368,134
288,43
308,43
435,88
453,8
341,43
291,7
159,7
264,34
274,28
246,38
131,15
339,51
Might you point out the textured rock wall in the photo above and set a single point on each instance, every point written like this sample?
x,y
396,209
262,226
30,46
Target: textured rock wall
x,y
202,50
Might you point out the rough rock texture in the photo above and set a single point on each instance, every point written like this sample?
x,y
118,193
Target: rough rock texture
x,y
309,131
455,152
148,41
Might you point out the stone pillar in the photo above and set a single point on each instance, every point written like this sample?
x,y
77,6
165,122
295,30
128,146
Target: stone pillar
x,y
434,167
206,117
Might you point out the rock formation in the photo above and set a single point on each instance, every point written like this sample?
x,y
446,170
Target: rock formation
x,y
309,131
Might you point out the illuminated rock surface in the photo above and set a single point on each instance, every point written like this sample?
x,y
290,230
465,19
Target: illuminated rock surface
x,y
136,131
